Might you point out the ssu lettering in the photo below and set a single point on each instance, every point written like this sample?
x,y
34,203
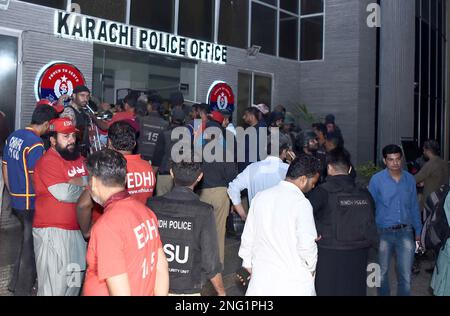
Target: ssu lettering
x,y
174,253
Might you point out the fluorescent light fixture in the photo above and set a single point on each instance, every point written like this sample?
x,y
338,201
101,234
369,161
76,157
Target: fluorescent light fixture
x,y
4,4
7,63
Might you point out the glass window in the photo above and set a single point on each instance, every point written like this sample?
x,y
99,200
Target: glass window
x,y
196,19
264,21
8,78
118,71
289,5
114,10
58,4
262,90
153,14
288,36
311,7
311,44
233,23
244,95
434,13
426,10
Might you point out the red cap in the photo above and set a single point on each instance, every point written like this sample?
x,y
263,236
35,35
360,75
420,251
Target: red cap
x,y
217,116
63,126
59,108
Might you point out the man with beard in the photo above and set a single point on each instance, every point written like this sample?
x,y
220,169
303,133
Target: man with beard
x,y
60,178
307,144
23,149
76,112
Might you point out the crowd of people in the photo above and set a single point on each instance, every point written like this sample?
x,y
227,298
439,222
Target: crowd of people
x,y
105,208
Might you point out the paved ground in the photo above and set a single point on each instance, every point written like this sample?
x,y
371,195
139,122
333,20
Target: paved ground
x,y
9,243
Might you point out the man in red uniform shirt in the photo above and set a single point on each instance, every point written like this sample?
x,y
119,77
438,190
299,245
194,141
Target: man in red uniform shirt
x,y
59,180
129,115
125,255
140,177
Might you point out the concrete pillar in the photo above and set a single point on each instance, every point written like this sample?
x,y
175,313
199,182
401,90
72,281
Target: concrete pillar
x,y
397,46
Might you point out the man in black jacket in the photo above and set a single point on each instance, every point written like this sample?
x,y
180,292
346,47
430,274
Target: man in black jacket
x,y
151,136
188,232
345,220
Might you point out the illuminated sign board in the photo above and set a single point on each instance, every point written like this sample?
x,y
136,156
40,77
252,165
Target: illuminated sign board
x,y
56,79
220,97
81,27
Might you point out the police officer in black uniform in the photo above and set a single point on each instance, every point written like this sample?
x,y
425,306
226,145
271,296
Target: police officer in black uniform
x,y
152,127
345,220
188,232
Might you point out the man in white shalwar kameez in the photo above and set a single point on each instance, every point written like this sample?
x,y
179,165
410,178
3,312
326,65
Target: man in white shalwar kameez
x,y
279,245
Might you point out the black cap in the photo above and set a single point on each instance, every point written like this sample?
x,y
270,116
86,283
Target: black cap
x,y
329,119
79,89
178,114
176,98
226,113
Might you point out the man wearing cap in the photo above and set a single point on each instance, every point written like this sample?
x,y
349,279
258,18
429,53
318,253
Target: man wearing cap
x,y
152,127
22,150
330,123
177,100
164,182
59,108
264,114
60,178
76,112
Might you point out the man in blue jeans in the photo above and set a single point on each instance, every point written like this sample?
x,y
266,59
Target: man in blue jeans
x,y
398,219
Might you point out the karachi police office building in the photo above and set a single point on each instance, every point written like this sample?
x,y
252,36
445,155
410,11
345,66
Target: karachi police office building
x,y
383,84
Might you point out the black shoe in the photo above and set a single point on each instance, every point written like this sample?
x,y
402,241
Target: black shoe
x,y
430,270
415,268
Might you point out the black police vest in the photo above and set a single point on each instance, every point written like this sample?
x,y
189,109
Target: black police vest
x,y
349,221
151,129
164,168
83,122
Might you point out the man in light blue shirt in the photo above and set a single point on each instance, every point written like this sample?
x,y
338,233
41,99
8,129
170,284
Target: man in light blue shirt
x,y
398,219
259,176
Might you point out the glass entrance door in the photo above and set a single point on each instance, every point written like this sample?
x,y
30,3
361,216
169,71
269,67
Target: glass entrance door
x,y
8,78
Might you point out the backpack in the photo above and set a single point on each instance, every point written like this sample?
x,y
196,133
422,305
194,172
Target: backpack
x,y
436,229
